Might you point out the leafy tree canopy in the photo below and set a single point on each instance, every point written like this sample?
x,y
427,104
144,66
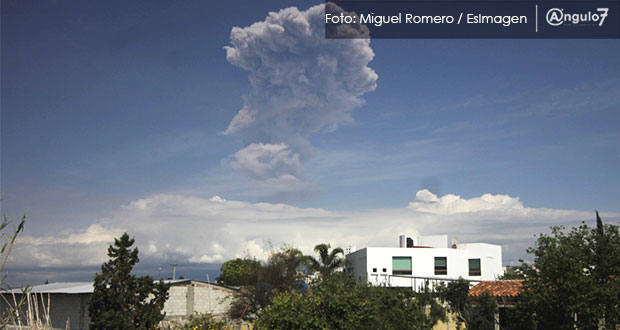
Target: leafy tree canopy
x,y
574,281
121,300
280,273
239,272
338,302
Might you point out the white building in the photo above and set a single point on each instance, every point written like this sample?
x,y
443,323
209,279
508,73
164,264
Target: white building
x,y
419,259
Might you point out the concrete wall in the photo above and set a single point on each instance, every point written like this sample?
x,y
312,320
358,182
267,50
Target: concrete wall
x,y
374,264
62,307
213,299
187,298
184,299
176,305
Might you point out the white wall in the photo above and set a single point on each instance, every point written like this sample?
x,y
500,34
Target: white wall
x,y
358,263
436,241
365,261
490,258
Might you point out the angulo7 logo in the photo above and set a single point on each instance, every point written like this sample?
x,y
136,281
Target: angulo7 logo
x,y
557,17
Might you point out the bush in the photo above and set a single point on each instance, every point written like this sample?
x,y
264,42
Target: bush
x,y
203,321
338,302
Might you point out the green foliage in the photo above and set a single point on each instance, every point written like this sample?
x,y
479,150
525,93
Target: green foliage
x,y
328,262
121,300
477,313
203,321
290,310
239,272
513,273
481,313
338,302
574,281
278,274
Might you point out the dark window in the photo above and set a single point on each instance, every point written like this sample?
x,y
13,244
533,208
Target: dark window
x,y
385,270
401,265
374,270
474,267
441,265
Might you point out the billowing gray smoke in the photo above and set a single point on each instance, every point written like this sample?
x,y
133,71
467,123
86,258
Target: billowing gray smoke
x,y
301,83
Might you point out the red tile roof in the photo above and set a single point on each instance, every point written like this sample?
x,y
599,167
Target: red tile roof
x,y
498,288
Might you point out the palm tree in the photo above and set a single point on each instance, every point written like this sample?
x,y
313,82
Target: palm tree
x,y
328,262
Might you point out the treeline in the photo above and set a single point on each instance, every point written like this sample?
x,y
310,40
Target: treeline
x,y
572,283
295,291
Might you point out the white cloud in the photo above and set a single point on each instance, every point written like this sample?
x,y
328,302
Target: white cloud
x,y
191,229
428,202
301,83
81,247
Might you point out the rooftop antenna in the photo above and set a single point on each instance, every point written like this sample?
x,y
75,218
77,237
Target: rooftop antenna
x,y
209,292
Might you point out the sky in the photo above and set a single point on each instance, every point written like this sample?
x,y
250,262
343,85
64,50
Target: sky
x,y
216,130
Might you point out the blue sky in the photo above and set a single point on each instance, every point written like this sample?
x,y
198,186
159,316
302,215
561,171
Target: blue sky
x,y
105,104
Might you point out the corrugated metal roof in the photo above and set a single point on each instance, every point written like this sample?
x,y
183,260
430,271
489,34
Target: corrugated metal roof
x,y
79,287
69,288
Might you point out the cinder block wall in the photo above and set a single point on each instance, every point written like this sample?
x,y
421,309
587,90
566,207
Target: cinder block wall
x,y
176,305
186,299
212,299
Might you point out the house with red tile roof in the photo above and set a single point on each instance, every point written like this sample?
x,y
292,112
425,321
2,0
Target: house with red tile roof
x,y
506,295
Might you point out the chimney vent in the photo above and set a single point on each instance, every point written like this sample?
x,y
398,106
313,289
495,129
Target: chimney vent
x,y
410,242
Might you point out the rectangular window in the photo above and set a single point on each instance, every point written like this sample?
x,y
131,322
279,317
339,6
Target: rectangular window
x,y
401,265
474,267
441,266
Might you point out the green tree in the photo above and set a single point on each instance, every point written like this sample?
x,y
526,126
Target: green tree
x,y
280,273
121,300
239,272
338,302
477,313
512,273
328,262
574,281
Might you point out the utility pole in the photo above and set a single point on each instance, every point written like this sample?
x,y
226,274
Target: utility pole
x,y
174,271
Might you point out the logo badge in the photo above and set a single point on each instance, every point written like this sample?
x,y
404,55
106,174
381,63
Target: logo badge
x,y
557,17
